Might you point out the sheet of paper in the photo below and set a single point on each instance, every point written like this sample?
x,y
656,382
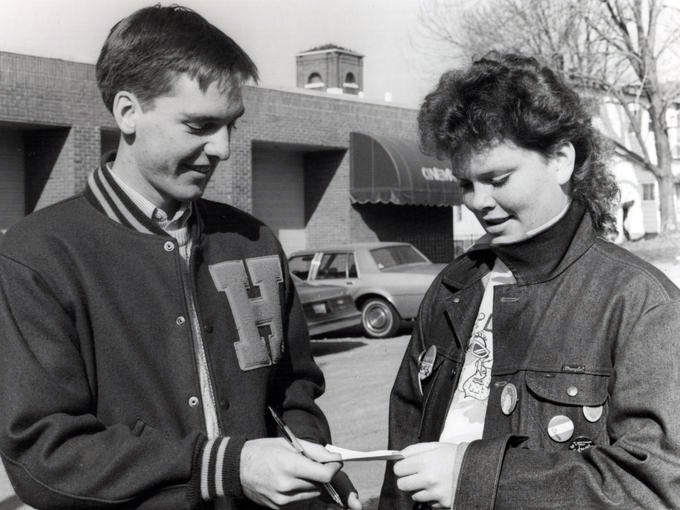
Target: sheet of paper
x,y
347,455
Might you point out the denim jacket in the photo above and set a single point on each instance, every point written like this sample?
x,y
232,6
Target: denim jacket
x,y
589,334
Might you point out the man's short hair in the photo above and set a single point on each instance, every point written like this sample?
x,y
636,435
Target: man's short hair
x,y
146,52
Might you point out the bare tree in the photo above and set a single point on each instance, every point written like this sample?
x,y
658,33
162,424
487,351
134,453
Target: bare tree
x,y
625,52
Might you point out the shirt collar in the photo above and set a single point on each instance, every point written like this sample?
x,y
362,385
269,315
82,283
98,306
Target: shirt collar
x,y
105,193
537,259
485,240
178,220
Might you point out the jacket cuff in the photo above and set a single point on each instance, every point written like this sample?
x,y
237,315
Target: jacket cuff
x,y
218,463
480,471
231,468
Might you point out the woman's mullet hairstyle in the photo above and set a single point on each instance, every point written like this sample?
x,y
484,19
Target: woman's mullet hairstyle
x,y
510,97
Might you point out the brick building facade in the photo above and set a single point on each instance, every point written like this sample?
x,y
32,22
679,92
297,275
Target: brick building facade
x,y
291,146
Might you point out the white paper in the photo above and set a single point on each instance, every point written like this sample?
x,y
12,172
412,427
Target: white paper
x,y
347,455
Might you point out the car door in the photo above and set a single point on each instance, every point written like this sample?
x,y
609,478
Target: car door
x,y
336,268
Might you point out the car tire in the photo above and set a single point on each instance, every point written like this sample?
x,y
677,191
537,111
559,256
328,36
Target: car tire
x,y
379,318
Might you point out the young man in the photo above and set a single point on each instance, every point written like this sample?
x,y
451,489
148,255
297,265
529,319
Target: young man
x,y
146,330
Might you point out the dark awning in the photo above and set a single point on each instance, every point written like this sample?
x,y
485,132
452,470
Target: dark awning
x,y
393,170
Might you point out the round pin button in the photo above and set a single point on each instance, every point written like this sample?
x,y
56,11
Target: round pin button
x,y
592,414
193,401
572,391
508,399
560,428
169,246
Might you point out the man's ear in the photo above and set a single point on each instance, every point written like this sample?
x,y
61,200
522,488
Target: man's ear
x,y
564,159
126,111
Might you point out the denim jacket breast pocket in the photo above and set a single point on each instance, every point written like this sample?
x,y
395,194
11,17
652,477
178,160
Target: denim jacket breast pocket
x,y
565,410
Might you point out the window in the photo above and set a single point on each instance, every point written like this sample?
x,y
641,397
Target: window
x,y
648,191
333,265
635,123
314,81
674,125
396,256
352,271
299,266
350,84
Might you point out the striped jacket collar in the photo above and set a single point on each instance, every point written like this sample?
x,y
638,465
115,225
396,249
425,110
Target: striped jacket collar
x,y
105,194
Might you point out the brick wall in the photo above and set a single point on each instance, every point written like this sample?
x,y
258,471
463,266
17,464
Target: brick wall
x,y
38,93
322,125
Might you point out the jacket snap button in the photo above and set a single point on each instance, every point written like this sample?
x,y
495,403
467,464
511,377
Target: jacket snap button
x,y
169,246
224,403
193,401
180,320
208,328
572,391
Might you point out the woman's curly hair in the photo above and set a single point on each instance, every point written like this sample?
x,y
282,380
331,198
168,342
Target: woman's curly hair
x,y
514,98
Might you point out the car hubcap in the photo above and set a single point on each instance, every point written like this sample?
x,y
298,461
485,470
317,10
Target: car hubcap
x,y
377,317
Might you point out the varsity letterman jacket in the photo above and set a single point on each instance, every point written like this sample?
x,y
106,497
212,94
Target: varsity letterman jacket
x,y
100,403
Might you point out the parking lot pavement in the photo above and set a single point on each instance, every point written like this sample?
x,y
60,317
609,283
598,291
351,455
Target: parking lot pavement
x,y
672,271
359,375
8,501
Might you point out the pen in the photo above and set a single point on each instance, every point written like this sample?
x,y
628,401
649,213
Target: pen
x,y
290,437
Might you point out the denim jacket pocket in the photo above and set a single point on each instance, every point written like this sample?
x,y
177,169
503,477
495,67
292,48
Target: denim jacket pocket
x,y
566,410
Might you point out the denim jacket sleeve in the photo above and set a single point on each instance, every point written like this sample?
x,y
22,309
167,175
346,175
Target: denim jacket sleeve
x,y
638,469
632,464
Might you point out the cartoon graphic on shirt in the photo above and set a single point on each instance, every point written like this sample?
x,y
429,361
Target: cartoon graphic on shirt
x,y
467,411
477,385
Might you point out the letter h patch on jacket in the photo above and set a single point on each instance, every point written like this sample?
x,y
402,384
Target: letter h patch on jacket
x,y
256,307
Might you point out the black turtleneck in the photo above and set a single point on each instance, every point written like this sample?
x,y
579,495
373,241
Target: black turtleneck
x,y
537,257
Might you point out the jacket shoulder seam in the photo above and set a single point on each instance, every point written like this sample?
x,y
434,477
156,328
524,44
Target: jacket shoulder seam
x,y
651,277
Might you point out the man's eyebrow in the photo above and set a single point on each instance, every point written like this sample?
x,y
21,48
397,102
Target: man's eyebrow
x,y
215,118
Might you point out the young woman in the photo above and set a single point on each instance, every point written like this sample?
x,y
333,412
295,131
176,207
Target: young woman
x,y
543,368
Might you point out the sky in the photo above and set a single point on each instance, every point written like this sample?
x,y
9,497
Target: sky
x,y
271,31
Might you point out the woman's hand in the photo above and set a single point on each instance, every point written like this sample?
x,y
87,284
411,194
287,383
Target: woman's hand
x,y
429,472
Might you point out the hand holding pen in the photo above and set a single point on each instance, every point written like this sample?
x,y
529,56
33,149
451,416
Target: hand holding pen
x,y
273,474
295,443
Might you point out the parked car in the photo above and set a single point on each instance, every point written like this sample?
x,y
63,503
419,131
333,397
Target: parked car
x,y
327,308
386,280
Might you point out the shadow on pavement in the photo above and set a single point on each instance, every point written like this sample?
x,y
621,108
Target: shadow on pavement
x,y
330,346
371,504
11,503
355,331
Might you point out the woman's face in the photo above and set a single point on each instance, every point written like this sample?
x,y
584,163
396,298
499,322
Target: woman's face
x,y
512,190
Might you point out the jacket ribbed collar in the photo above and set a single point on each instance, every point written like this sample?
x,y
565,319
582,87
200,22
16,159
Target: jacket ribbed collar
x,y
536,259
104,193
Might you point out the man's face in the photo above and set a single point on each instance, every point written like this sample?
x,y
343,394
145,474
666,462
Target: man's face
x,y
512,190
179,140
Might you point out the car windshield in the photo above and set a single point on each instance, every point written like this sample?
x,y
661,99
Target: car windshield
x,y
391,256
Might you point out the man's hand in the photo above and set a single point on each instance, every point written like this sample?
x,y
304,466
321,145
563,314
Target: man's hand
x,y
429,472
273,474
341,482
345,489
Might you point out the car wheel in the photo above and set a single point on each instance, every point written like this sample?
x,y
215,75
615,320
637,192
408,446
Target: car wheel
x,y
379,318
